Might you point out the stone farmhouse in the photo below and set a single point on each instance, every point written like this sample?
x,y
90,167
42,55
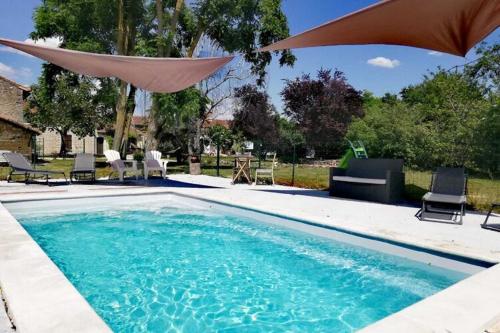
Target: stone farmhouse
x,y
17,135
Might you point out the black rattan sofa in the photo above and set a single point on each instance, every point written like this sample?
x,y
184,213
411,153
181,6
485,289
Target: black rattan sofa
x,y
372,179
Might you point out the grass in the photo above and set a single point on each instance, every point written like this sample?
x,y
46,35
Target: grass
x,y
481,191
102,170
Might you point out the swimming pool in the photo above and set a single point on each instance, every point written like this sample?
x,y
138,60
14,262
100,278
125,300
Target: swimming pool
x,y
168,263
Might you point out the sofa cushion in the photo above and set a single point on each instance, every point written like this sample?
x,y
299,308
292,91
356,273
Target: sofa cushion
x,y
445,198
359,180
373,167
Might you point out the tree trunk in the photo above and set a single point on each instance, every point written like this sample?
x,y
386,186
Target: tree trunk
x,y
163,51
62,149
122,94
121,116
173,27
125,46
194,42
128,119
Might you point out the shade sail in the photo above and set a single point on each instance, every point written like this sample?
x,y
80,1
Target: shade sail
x,y
451,26
153,74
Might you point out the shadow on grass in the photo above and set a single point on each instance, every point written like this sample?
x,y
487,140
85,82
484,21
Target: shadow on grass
x,y
214,167
308,193
414,193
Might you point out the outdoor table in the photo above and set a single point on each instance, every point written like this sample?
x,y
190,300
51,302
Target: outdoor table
x,y
241,169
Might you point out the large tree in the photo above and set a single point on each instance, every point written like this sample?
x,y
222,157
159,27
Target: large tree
x,y
69,103
218,27
174,127
163,28
322,108
95,26
451,118
255,117
449,107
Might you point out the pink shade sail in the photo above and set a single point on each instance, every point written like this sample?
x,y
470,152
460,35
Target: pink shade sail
x,y
451,26
163,75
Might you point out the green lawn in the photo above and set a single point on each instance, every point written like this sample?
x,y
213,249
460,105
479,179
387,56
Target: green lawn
x,y
481,191
102,170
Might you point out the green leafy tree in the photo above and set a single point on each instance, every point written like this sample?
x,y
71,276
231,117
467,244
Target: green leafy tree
x,y
290,138
70,103
220,136
388,130
487,142
486,69
449,119
109,27
241,26
176,114
228,26
449,108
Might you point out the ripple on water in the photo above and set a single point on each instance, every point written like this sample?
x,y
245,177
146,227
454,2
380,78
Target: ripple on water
x,y
171,270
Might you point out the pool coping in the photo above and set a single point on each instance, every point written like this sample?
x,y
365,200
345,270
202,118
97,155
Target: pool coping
x,y
39,296
439,312
447,253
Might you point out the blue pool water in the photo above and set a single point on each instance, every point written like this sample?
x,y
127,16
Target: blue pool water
x,y
195,270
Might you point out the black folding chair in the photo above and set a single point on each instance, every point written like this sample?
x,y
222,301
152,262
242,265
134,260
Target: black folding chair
x,y
20,166
446,199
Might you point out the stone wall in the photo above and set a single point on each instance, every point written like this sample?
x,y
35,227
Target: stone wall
x,y
49,144
14,138
11,100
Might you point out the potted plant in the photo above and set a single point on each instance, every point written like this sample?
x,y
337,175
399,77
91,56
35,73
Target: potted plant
x,y
138,156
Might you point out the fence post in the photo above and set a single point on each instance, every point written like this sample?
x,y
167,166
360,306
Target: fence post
x,y
293,166
218,158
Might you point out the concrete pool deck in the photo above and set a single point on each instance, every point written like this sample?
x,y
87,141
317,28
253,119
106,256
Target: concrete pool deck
x,y
397,223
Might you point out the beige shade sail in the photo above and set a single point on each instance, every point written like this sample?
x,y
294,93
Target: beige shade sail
x,y
451,26
164,75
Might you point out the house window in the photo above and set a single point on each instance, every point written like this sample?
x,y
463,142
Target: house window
x,y
68,142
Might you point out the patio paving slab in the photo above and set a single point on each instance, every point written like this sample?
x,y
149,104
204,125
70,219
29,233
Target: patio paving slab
x,y
475,297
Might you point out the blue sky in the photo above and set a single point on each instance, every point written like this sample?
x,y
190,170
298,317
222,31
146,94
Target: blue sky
x,y
408,64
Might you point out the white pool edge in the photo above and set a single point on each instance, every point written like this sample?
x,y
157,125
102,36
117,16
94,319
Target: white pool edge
x,y
40,298
470,305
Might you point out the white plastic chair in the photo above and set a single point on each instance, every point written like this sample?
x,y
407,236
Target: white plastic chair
x,y
153,162
119,165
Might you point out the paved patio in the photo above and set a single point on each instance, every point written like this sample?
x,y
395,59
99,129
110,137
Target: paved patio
x,y
387,221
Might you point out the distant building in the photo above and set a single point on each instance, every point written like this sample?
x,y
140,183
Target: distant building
x,y
49,143
12,103
15,134
212,122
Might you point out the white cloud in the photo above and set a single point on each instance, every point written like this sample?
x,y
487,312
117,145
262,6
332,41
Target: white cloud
x,y
11,50
6,70
50,42
24,73
383,62
435,53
